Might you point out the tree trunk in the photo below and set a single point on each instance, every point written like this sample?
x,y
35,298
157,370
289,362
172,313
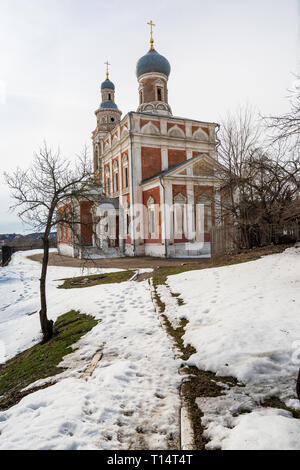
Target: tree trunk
x,y
46,325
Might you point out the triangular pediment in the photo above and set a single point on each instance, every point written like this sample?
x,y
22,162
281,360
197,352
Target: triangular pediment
x,y
203,168
200,165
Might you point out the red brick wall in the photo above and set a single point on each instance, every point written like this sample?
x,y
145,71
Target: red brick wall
x,y
175,157
149,90
199,190
178,188
197,153
151,162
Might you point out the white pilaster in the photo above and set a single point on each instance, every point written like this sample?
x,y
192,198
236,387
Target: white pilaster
x,y
110,178
163,127
189,154
168,211
164,158
188,129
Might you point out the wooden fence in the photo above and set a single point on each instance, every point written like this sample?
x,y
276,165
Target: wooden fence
x,y
224,239
227,238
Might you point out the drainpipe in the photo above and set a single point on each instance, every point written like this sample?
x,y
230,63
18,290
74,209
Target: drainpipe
x,y
131,186
164,203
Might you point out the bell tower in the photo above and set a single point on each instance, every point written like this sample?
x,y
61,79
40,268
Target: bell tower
x,y
108,115
152,71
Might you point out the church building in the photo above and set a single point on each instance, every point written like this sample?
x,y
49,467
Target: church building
x,y
157,172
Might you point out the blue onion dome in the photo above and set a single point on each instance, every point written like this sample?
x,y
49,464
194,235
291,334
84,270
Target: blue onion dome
x,y
107,84
152,62
108,104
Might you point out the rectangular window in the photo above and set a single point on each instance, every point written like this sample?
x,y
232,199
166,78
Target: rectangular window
x,y
116,182
159,94
126,176
179,220
152,221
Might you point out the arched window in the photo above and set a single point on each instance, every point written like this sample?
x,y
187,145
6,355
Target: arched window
x,y
116,176
180,216
126,213
107,180
159,92
125,172
151,217
127,223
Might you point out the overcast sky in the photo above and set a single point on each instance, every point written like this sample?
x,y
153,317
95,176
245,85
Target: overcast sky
x,y
223,53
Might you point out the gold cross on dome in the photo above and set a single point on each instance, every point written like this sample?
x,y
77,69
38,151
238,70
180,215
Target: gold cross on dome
x,y
107,70
151,24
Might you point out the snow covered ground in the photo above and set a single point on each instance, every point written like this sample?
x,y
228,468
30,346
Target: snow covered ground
x,y
19,294
244,321
130,401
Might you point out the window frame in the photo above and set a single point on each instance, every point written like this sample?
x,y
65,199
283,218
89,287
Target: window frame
x,y
152,222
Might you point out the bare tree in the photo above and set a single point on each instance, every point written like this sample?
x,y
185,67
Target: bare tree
x,y
38,193
259,182
239,138
287,126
